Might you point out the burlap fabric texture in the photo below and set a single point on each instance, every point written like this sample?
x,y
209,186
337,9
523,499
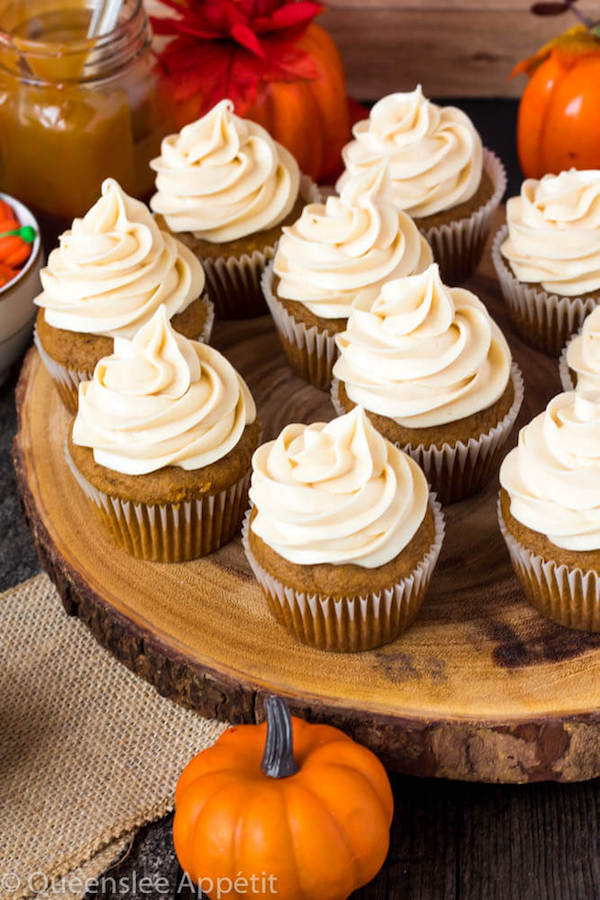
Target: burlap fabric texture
x,y
88,751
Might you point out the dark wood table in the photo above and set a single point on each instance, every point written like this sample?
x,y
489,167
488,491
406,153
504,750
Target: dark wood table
x,y
449,839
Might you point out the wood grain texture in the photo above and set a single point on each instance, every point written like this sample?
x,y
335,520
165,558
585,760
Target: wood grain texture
x,y
449,841
481,687
451,52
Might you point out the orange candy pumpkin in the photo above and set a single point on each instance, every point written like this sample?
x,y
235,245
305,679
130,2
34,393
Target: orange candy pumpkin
x,y
302,805
558,123
310,118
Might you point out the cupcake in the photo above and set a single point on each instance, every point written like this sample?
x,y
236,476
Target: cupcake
x,y
435,375
351,243
162,444
549,510
579,364
105,280
342,535
548,256
226,188
441,175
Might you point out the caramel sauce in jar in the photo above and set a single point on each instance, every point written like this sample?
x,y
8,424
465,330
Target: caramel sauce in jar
x,y
75,110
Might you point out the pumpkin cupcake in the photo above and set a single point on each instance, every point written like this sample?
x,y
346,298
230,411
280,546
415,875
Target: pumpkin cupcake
x,y
441,175
226,189
548,256
106,279
351,243
343,535
549,510
162,444
435,375
579,363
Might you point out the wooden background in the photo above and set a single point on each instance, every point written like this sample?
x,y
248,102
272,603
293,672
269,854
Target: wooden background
x,y
454,48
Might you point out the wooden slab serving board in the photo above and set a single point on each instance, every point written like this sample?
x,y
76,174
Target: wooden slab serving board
x,y
481,687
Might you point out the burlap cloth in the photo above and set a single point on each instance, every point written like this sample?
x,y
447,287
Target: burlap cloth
x,y
88,751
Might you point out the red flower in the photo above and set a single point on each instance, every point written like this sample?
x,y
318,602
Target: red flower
x,y
230,48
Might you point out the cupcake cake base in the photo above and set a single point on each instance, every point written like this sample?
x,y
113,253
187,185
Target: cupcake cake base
x,y
307,340
347,608
170,515
544,321
563,585
459,459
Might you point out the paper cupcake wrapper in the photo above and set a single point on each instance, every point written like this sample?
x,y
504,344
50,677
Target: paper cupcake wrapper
x,y
234,282
566,595
566,379
349,624
458,471
169,532
311,351
458,246
544,321
67,380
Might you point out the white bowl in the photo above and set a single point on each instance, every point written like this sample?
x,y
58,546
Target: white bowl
x,y
17,310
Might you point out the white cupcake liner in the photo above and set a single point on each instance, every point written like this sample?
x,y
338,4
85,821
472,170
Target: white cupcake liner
x,y
569,596
310,350
458,471
169,532
67,380
349,624
234,282
458,246
566,379
206,333
544,321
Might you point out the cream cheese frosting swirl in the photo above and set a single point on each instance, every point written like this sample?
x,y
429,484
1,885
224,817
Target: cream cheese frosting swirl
x,y
162,400
422,353
554,232
435,153
114,268
224,177
352,242
583,353
553,475
336,493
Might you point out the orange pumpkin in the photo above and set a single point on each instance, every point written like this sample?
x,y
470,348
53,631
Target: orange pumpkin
x,y
310,118
302,805
558,123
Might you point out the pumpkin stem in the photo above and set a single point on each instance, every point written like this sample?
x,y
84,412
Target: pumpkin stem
x,y
278,759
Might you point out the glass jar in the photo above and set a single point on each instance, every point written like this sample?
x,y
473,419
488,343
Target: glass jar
x,y
75,110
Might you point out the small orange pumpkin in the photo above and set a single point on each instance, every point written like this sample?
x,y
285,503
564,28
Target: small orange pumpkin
x,y
558,124
302,805
310,118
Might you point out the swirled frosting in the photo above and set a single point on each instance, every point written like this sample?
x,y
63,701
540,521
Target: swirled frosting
x,y
583,353
336,493
224,177
553,475
352,242
114,268
435,153
554,232
422,353
162,400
